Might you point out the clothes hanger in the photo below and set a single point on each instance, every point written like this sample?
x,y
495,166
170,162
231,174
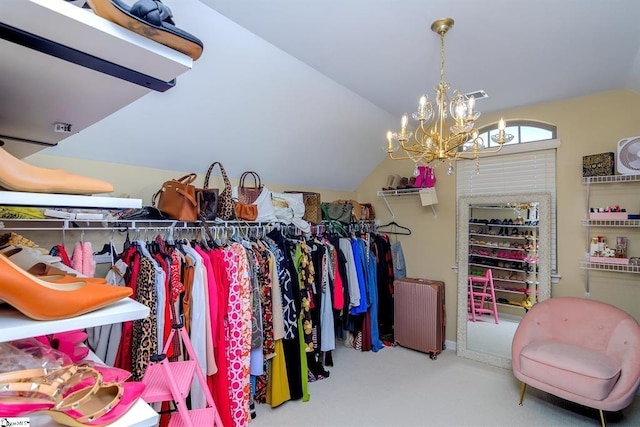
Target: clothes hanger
x,y
398,229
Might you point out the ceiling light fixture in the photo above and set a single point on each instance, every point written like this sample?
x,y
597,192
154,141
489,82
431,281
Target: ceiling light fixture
x,y
432,139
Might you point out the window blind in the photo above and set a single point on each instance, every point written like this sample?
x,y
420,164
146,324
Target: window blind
x,y
514,173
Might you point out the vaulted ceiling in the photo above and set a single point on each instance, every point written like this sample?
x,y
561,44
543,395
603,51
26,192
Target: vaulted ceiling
x,y
303,91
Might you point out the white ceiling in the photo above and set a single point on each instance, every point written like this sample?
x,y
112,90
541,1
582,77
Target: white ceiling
x,y
303,91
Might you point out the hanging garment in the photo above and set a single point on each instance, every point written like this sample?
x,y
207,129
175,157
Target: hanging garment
x,y
291,296
372,287
145,331
384,269
306,273
353,284
359,259
220,381
399,267
82,259
131,257
211,319
328,337
104,340
199,313
278,387
239,348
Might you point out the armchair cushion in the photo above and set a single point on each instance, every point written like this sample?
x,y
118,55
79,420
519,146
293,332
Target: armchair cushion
x,y
590,373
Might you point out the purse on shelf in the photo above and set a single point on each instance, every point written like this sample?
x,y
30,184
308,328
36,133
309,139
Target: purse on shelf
x,y
282,208
356,209
368,212
248,194
246,211
312,208
177,199
225,206
208,198
337,211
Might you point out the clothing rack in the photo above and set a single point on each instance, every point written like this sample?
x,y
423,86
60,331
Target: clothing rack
x,y
165,225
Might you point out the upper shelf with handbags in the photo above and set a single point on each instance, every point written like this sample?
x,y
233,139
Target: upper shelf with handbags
x,y
51,51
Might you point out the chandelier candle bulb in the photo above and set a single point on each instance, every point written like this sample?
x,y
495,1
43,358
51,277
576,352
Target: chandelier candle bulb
x,y
472,102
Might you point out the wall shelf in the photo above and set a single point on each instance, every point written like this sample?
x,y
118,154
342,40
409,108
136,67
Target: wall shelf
x,y
18,198
587,265
15,325
401,192
603,266
610,179
93,69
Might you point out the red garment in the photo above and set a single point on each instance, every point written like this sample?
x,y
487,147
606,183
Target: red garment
x,y
123,357
338,287
219,383
61,252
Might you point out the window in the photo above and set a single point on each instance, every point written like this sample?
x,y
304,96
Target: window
x,y
520,167
523,131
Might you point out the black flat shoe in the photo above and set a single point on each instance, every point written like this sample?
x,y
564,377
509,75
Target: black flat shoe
x,y
149,18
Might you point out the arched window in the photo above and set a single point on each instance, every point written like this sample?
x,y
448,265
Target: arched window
x,y
523,131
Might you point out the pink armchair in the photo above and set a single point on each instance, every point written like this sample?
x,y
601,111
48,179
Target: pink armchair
x,y
581,350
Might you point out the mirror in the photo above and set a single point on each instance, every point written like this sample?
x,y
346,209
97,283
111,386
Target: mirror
x,y
509,234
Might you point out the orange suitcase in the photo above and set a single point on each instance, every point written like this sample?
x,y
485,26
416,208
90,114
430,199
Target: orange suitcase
x,y
419,315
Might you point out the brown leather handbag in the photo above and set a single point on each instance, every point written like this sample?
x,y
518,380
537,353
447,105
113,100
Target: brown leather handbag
x,y
246,211
177,199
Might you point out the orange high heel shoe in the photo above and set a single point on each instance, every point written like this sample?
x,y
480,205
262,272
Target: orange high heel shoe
x,y
43,300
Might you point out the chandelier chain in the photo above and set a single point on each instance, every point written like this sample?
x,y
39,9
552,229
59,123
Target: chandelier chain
x,y
441,57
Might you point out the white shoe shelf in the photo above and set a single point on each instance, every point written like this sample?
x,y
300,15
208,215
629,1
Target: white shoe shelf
x,y
14,326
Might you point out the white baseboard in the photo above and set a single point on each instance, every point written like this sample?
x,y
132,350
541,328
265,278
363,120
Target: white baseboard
x,y
451,345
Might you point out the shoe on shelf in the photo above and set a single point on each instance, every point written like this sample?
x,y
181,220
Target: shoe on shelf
x,y
389,185
16,175
44,300
72,395
151,19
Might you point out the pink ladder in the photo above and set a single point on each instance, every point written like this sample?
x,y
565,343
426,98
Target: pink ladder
x,y
171,381
478,300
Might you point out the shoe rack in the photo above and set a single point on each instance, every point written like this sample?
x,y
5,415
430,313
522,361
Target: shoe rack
x,y
14,325
603,190
385,194
506,243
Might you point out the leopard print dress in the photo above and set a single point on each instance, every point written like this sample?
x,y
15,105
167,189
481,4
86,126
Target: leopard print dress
x,y
145,336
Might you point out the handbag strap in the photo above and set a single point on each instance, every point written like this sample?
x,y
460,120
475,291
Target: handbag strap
x,y
187,179
187,196
252,174
225,178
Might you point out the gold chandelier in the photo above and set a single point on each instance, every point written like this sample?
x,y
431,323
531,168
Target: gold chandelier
x,y
432,139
